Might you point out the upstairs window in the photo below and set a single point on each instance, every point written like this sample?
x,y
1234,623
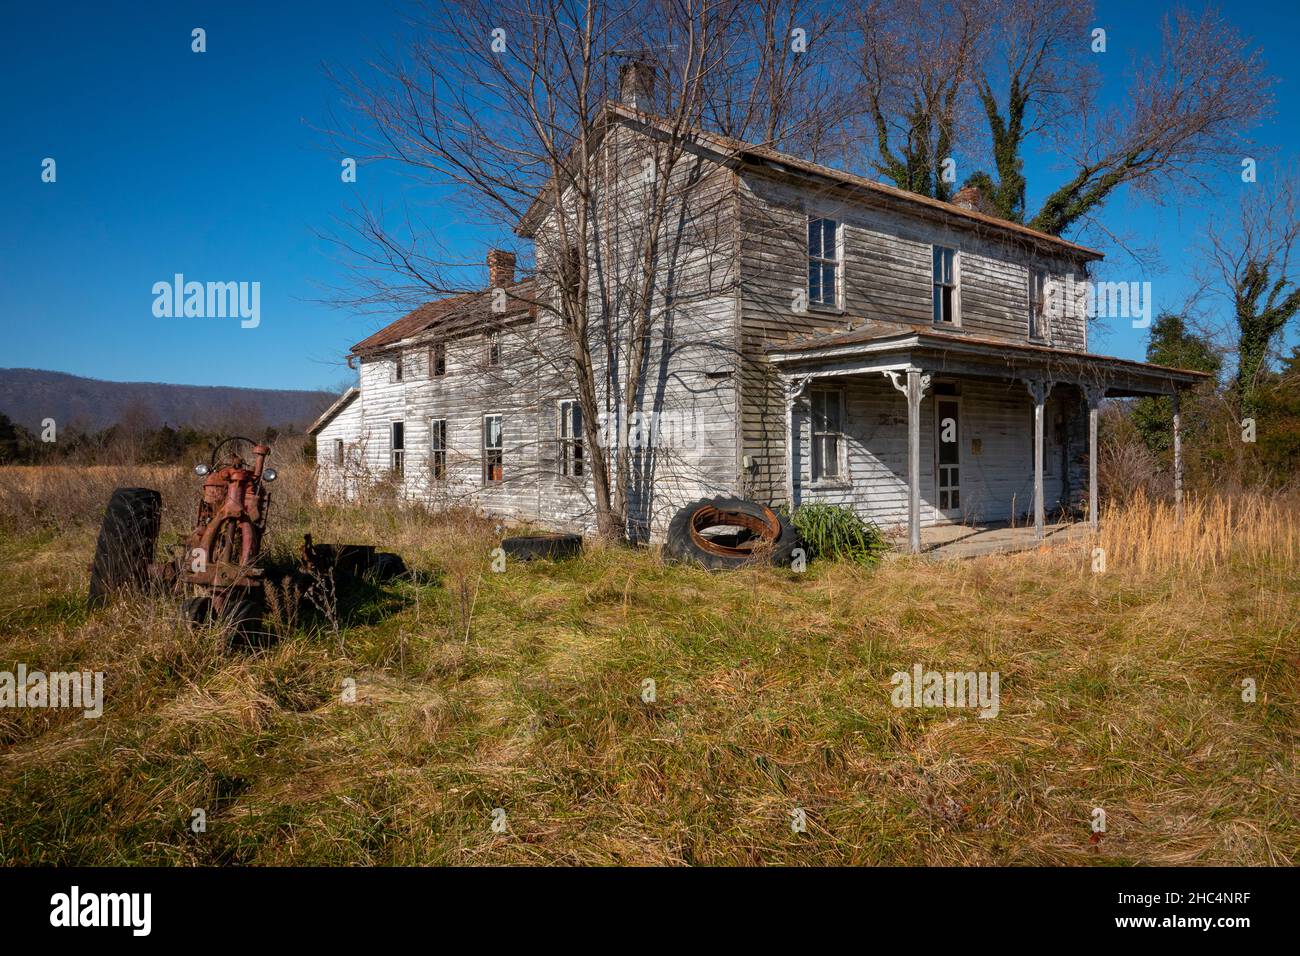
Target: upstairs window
x,y
399,447
945,286
338,451
827,437
397,367
571,457
1037,304
438,448
437,360
493,349
825,271
493,451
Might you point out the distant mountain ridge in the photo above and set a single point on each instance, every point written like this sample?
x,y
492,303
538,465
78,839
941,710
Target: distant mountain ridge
x,y
29,395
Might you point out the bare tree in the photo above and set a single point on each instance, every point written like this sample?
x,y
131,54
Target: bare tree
x,y
508,109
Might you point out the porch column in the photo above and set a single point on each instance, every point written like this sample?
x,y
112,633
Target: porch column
x,y
793,389
915,389
1094,395
1038,391
1178,457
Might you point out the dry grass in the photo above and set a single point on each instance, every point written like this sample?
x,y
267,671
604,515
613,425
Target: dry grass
x,y
522,690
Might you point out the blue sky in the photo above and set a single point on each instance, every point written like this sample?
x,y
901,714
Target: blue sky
x,y
214,166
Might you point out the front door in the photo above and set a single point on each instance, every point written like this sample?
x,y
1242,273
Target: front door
x,y
947,445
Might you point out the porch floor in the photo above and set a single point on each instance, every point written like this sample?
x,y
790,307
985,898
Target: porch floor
x,y
970,541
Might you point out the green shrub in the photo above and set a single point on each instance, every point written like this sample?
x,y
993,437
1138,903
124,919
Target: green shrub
x,y
833,531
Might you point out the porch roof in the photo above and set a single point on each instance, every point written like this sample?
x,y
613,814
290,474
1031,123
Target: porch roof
x,y
877,346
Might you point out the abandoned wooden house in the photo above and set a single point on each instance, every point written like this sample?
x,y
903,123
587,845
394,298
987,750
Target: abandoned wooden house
x,y
823,338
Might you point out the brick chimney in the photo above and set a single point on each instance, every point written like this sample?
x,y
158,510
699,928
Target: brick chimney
x,y
970,198
501,269
636,84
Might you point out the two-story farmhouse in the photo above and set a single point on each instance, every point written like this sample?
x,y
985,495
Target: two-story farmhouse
x,y
818,337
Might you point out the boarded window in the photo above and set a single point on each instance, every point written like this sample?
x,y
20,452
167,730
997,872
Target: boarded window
x,y
570,430
824,266
437,359
827,437
399,447
493,451
438,448
945,286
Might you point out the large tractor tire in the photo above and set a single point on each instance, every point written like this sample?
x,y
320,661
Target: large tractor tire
x,y
726,533
127,538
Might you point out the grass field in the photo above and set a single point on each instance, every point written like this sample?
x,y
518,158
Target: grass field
x,y
522,690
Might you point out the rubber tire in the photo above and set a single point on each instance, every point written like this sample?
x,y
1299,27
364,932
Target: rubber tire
x,y
527,547
387,566
244,618
196,611
681,547
127,538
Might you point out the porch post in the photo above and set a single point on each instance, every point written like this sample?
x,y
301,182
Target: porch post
x,y
793,389
915,389
1094,395
1178,457
1038,390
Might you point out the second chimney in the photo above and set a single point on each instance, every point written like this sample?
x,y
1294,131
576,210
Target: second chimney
x,y
501,269
968,197
636,84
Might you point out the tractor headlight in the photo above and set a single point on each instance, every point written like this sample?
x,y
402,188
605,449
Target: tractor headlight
x,y
200,469
268,474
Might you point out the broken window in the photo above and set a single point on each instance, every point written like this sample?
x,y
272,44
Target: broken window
x,y
571,458
399,447
338,451
397,367
438,359
493,451
494,348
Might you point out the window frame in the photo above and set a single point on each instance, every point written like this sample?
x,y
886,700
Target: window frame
x,y
438,359
571,460
398,370
492,343
954,284
396,449
816,453
499,449
836,264
339,458
438,452
1039,329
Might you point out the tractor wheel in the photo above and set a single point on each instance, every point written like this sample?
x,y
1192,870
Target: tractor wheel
x,y
726,533
196,611
126,543
243,617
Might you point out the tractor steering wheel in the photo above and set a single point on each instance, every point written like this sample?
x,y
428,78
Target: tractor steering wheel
x,y
212,459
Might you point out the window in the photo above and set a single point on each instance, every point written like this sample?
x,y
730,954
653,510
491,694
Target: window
x,y
399,447
494,348
1037,304
824,262
397,367
571,279
827,440
945,286
493,455
571,461
438,448
437,359
338,451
